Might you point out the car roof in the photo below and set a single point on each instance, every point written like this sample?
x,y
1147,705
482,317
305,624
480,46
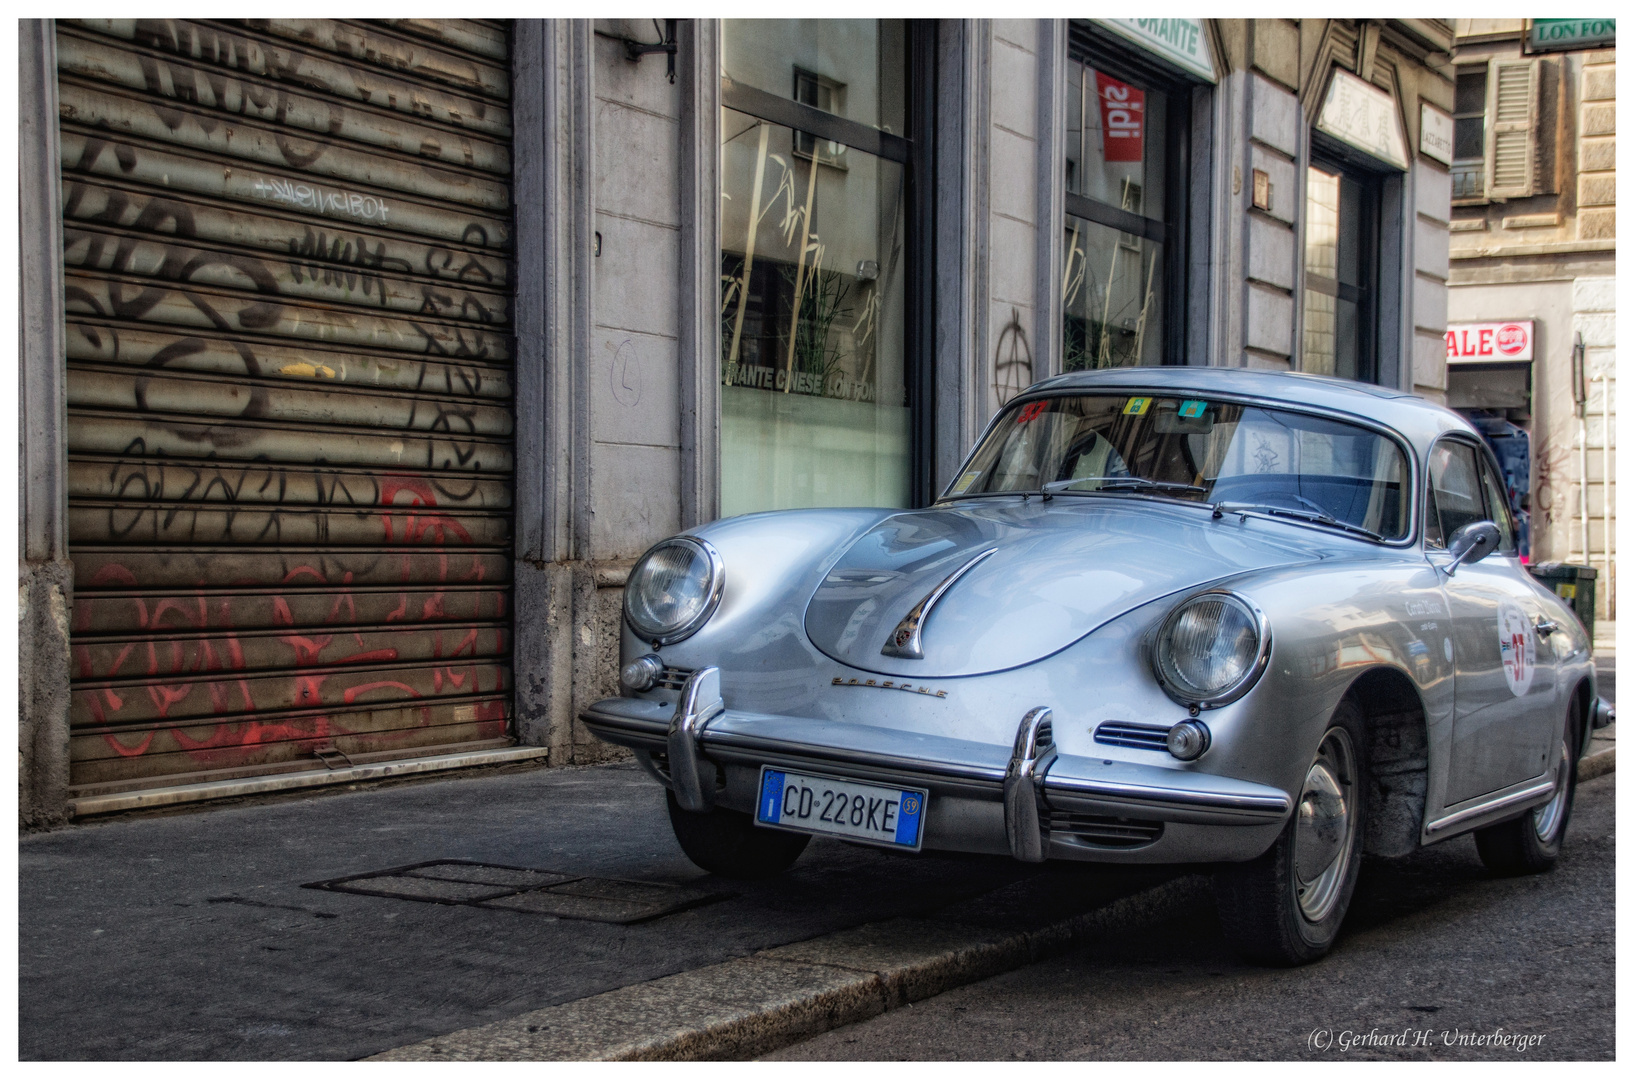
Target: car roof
x,y
1419,421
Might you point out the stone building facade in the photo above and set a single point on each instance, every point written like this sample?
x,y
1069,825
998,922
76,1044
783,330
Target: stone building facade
x,y
647,273
1535,243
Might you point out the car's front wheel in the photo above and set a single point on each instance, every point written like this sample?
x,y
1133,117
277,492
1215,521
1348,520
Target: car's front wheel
x,y
1285,907
728,843
1530,844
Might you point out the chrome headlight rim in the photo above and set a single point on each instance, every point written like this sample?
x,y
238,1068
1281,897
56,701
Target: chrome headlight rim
x,y
1250,676
713,589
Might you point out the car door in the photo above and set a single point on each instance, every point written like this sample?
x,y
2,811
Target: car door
x,y
1542,710
1497,693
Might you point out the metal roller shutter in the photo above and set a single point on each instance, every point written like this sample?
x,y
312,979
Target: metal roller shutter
x,y
289,382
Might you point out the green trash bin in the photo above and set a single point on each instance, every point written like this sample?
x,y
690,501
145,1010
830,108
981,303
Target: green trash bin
x,y
1573,584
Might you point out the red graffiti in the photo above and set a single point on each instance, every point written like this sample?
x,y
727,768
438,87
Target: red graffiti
x,y
208,669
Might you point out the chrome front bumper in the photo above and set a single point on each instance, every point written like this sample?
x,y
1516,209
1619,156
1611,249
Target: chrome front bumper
x,y
1030,779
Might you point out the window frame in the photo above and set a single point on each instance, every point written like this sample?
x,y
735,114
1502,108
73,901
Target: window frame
x,y
1486,474
1492,483
1089,45
1485,71
913,151
1366,295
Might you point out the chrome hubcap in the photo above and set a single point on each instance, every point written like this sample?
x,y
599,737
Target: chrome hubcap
x,y
1546,818
1326,828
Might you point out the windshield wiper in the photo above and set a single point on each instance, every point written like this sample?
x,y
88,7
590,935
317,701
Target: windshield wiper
x,y
1116,483
1313,516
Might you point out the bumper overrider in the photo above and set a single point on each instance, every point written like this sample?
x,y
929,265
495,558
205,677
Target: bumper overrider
x,y
1027,799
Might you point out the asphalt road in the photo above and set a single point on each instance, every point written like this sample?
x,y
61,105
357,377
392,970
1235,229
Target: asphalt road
x,y
1434,948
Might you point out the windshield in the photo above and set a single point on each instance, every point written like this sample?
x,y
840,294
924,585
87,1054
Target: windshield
x,y
1243,456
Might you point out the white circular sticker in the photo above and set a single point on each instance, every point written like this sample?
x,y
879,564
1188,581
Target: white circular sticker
x,y
1516,648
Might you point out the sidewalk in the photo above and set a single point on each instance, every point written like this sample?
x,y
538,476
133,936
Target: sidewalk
x,y
188,936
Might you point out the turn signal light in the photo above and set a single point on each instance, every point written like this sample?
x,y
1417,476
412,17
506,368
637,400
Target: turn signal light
x,y
642,674
1188,740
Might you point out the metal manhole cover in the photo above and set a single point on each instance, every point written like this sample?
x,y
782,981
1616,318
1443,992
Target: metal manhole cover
x,y
521,888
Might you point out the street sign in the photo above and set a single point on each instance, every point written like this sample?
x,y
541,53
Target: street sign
x,y
1489,342
1435,134
1553,35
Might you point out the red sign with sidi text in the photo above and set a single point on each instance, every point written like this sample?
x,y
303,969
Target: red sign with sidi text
x,y
1123,118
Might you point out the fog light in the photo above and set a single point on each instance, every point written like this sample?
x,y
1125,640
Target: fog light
x,y
1188,739
642,674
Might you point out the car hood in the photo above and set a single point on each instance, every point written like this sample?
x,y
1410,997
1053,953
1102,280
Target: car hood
x,y
1060,569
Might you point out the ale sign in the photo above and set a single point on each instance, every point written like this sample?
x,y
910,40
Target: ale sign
x,y
1489,342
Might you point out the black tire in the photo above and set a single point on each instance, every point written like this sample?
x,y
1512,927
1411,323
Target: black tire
x,y
730,844
1530,844
1269,913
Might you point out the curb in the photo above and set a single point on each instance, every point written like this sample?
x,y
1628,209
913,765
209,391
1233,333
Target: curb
x,y
756,1004
1591,765
260,785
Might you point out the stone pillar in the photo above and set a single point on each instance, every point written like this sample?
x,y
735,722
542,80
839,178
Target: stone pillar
x,y
45,576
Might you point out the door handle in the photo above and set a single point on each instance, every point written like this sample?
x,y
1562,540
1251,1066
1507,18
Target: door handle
x,y
1544,627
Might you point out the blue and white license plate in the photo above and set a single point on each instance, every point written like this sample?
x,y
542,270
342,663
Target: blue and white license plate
x,y
828,806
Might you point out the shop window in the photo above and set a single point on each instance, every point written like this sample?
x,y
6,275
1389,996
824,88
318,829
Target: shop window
x,y
1121,281
1341,272
817,381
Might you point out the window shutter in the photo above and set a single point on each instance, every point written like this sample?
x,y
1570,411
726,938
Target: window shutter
x,y
1512,108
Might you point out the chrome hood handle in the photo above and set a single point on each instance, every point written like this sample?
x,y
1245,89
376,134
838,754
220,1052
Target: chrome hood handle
x,y
904,640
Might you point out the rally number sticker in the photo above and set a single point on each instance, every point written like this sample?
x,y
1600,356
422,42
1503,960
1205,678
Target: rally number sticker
x,y
1516,648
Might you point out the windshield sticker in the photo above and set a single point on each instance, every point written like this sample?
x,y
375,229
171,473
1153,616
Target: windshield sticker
x,y
1031,411
1515,648
1192,409
964,482
1137,406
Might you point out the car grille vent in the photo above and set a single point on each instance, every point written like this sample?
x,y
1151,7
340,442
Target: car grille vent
x,y
1111,832
672,678
1139,736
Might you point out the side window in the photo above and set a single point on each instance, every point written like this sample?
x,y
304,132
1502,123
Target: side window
x,y
1497,508
1455,491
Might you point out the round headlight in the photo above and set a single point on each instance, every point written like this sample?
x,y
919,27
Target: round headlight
x,y
1210,649
673,590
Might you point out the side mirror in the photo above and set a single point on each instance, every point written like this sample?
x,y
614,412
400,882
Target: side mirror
x,y
1472,543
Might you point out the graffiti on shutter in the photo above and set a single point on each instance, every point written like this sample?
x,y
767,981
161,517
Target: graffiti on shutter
x,y
287,276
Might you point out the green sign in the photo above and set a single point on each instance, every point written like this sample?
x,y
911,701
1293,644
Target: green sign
x,y
1549,35
1182,42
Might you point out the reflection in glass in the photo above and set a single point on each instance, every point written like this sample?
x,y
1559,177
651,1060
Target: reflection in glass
x,y
1112,281
1112,296
814,395
1321,272
1115,144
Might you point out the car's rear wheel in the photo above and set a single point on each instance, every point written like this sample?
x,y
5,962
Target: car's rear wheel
x,y
728,843
1530,844
1285,907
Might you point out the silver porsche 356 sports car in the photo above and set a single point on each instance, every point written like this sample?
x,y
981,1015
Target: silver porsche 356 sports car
x,y
1263,621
